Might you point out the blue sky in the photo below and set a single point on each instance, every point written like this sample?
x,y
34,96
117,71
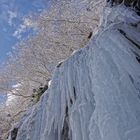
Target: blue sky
x,y
11,15
2,98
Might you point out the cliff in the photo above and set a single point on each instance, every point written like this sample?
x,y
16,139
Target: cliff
x,y
95,94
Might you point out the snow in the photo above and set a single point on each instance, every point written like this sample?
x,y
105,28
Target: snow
x,y
11,98
94,94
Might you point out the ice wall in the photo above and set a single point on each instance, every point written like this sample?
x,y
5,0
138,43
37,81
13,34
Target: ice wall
x,y
95,94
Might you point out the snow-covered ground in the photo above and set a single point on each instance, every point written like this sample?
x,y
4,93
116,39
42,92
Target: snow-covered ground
x,y
95,94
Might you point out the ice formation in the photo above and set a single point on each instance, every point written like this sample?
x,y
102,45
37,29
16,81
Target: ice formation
x,y
95,94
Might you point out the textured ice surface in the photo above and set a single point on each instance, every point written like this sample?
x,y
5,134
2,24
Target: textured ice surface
x,y
95,94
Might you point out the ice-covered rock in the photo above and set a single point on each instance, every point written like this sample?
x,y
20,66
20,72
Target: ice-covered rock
x,y
95,94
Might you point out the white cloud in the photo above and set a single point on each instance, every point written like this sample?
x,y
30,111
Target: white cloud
x,y
19,31
27,23
12,15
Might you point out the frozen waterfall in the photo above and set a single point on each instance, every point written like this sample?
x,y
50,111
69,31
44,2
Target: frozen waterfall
x,y
95,94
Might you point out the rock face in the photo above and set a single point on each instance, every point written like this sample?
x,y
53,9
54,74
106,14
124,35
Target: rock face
x,y
129,3
95,94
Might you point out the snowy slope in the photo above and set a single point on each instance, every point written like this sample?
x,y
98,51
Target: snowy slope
x,y
95,94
